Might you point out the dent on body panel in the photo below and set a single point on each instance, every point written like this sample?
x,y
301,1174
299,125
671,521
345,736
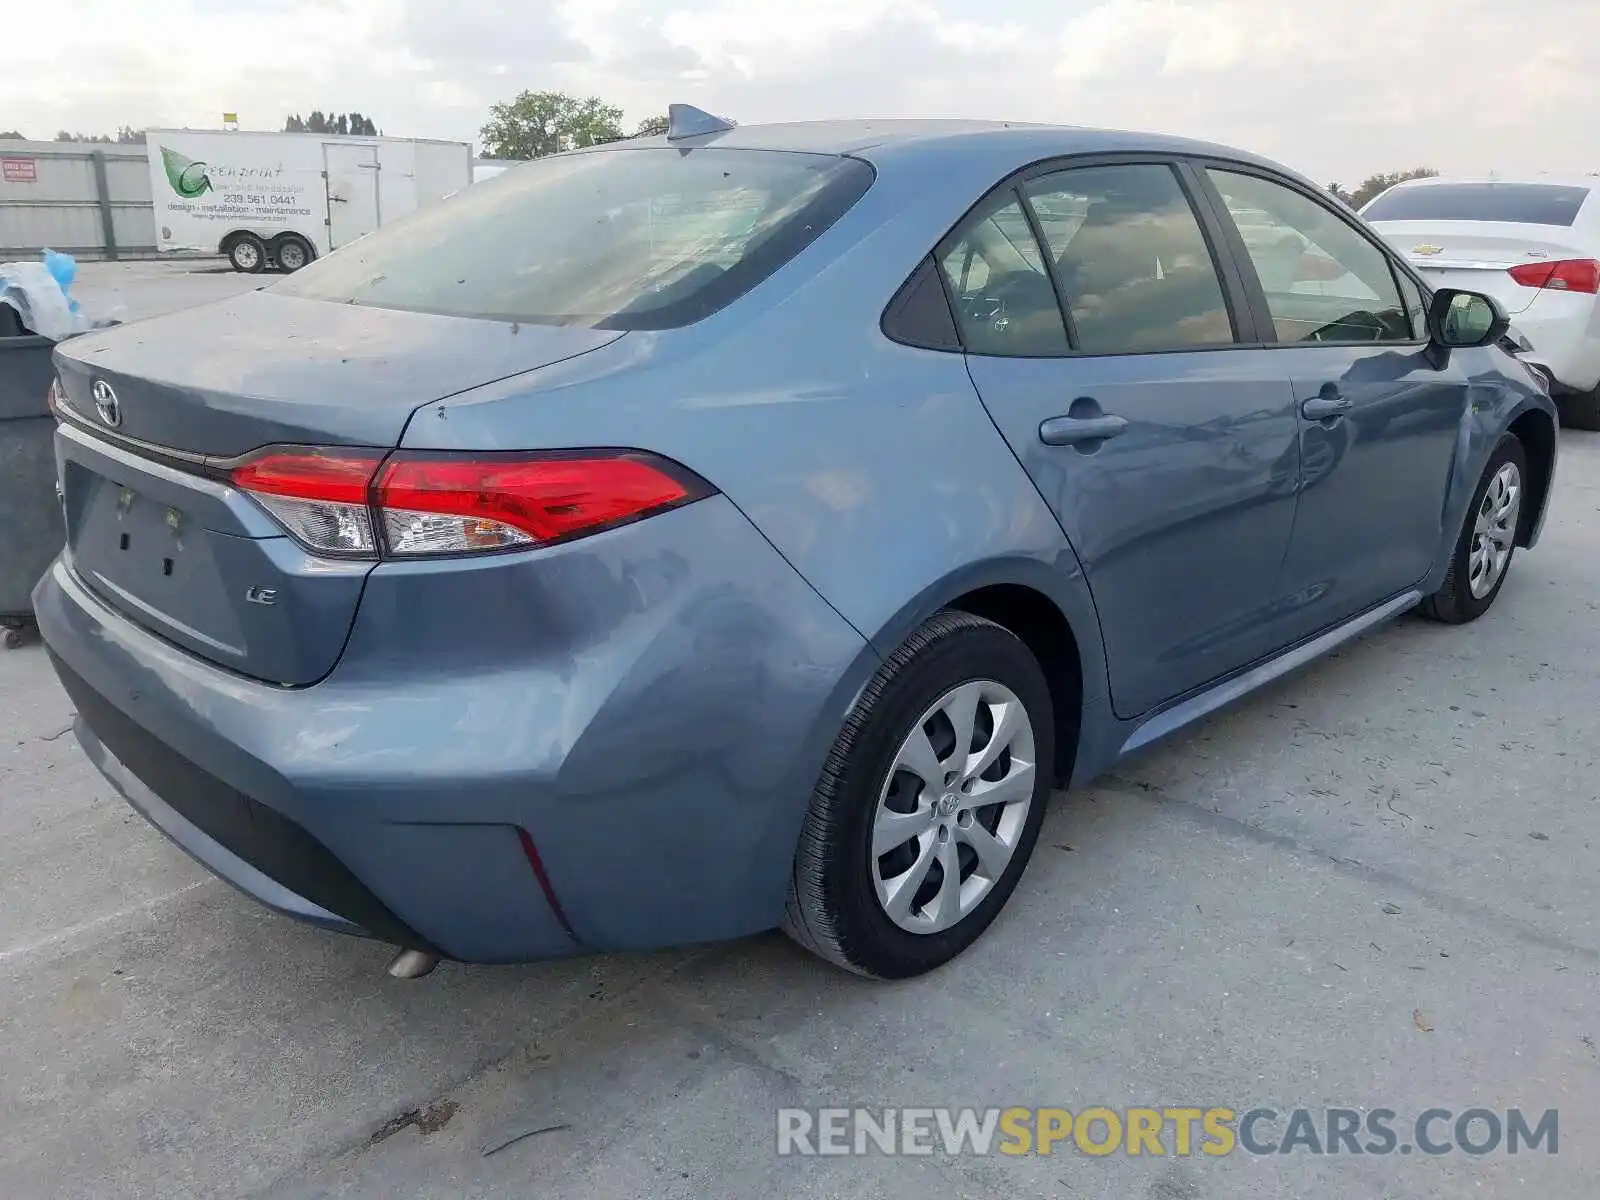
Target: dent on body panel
x,y
1202,474
510,649
905,481
710,720
1374,481
1403,398
1492,398
1169,472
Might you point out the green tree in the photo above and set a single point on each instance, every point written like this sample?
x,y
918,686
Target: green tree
x,y
1375,185
13,135
319,122
651,127
65,135
127,135
540,123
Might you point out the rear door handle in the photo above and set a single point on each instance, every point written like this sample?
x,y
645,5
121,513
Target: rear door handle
x,y
1069,431
1321,408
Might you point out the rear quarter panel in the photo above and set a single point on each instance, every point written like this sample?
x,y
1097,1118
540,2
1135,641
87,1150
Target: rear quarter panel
x,y
871,466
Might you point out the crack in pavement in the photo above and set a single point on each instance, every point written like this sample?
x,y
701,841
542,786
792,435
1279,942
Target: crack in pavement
x,y
1356,869
322,1157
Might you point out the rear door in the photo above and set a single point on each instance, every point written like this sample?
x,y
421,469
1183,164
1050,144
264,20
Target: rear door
x,y
352,191
1378,418
1166,447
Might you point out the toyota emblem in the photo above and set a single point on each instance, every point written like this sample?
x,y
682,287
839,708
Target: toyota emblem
x,y
106,404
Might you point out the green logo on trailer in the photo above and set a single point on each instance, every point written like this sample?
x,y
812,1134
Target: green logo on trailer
x,y
187,177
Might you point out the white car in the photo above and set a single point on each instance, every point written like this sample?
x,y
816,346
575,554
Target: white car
x,y
1533,244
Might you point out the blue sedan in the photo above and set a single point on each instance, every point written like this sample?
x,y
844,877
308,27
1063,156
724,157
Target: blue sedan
x,y
688,536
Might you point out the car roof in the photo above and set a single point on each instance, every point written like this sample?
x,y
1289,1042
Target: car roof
x,y
889,140
1556,178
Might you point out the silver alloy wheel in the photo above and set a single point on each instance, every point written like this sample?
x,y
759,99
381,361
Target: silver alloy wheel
x,y
953,807
291,255
1494,530
245,255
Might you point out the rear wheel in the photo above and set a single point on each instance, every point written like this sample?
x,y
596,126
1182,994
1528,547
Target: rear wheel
x,y
292,252
247,253
930,803
1488,539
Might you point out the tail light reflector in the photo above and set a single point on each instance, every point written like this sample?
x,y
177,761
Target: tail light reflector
x,y
412,504
319,496
1565,275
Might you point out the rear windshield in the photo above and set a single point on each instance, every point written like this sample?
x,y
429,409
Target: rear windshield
x,y
621,239
1524,203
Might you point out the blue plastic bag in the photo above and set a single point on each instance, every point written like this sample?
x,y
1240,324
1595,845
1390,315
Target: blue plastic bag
x,y
38,291
63,269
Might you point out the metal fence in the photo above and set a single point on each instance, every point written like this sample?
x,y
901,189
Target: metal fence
x,y
87,199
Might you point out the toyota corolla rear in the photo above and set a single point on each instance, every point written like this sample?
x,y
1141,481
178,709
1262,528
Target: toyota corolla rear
x,y
1534,246
497,701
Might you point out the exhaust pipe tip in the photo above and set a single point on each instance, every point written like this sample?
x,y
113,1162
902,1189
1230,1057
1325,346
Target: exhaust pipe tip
x,y
412,964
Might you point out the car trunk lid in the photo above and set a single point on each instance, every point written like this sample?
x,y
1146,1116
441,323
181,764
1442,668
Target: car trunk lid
x,y
257,369
154,412
1478,255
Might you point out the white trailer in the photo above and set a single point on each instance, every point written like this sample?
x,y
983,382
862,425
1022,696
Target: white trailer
x,y
282,199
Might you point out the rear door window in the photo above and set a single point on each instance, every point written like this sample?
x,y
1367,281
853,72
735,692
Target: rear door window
x,y
1000,288
645,238
1132,262
1517,203
1324,281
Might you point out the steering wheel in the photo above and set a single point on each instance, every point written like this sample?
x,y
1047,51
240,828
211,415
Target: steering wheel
x,y
1340,330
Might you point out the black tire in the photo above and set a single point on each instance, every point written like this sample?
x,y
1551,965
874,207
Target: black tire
x,y
833,908
292,252
247,253
1454,603
1580,410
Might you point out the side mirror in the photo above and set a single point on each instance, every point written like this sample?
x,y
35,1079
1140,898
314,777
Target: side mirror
x,y
1459,320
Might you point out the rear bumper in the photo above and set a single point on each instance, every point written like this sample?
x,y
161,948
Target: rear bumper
x,y
236,838
649,709
1565,334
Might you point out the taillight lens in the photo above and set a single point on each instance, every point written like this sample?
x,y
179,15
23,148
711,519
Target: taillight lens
x,y
319,496
436,505
413,503
1564,275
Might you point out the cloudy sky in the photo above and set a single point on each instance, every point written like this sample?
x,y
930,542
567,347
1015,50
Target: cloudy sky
x,y
1338,90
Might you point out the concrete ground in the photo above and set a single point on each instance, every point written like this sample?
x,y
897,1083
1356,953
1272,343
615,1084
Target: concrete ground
x,y
133,290
1371,886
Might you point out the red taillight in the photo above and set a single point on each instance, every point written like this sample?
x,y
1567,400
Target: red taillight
x,y
332,475
452,505
319,496
1565,275
347,502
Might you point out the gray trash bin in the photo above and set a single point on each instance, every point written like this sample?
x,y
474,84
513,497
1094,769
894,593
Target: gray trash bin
x,y
31,528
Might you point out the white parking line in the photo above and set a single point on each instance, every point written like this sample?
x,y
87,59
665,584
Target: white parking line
x,y
27,949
